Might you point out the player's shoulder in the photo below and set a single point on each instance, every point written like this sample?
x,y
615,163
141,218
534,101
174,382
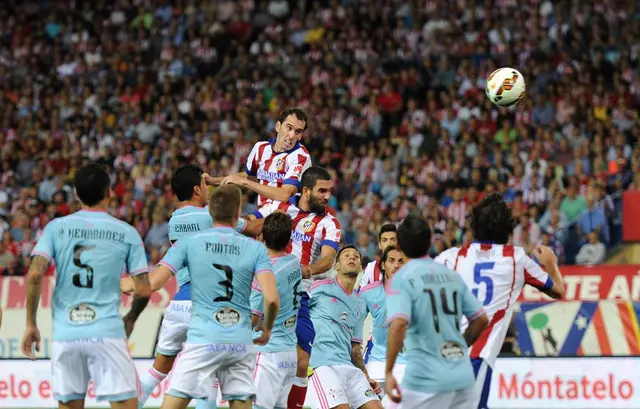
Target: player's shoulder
x,y
323,284
103,218
286,262
301,150
260,144
446,257
370,288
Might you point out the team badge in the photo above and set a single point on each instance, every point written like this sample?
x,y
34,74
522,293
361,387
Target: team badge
x,y
308,226
280,165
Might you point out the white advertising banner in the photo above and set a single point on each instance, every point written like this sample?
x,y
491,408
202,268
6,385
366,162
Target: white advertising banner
x,y
518,383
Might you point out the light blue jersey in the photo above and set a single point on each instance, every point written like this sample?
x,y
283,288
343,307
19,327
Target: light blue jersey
x,y
91,250
375,299
189,220
222,264
288,278
338,319
432,299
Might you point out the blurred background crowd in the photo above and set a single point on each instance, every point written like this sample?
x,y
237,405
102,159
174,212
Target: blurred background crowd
x,y
395,94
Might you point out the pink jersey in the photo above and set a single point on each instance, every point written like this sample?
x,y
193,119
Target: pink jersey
x,y
495,274
310,233
277,168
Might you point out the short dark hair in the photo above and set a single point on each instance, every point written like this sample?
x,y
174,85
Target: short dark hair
x,y
276,231
347,247
387,228
92,183
312,175
298,113
184,179
414,236
492,220
224,204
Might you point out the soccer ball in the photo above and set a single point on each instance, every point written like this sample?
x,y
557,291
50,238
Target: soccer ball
x,y
505,87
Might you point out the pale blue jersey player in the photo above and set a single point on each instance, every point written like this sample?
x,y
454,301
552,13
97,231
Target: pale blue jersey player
x,y
222,265
425,303
375,298
91,250
188,184
277,361
339,377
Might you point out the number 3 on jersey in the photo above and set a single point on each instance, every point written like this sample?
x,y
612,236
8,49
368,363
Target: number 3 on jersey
x,y
479,278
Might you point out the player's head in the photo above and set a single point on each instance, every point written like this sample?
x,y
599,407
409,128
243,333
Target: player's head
x,y
187,183
348,261
387,236
276,231
92,184
492,220
414,237
224,205
290,127
391,261
316,189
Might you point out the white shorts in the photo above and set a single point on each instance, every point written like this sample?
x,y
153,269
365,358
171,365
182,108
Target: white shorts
x,y
341,384
173,332
198,365
273,377
105,361
377,371
463,399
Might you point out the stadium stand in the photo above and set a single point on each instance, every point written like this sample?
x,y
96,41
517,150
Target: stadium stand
x,y
394,90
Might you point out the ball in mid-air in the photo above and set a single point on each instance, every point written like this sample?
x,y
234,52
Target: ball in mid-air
x,y
505,86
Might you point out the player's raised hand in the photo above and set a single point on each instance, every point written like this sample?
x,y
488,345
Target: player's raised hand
x,y
233,179
306,272
31,337
392,388
264,337
545,255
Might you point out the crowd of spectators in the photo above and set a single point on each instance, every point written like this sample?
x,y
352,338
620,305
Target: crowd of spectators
x,y
394,90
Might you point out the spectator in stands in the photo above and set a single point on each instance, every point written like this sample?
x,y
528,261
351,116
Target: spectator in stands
x,y
592,252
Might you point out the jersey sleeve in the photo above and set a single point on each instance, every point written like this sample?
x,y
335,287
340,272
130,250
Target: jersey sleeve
x,y
266,210
297,163
263,262
176,258
241,225
471,307
534,275
447,257
331,235
251,168
137,258
398,300
257,300
45,245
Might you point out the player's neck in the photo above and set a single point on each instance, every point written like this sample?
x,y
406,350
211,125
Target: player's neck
x,y
303,204
222,224
347,283
100,207
276,253
277,147
192,202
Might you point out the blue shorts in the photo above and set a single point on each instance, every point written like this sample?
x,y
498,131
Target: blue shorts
x,y
482,372
304,328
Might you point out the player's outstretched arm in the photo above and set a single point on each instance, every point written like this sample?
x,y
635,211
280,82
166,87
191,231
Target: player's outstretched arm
x,y
280,194
216,181
38,268
253,227
157,279
142,292
323,264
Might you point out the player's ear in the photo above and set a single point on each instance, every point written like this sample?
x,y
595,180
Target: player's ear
x,y
278,125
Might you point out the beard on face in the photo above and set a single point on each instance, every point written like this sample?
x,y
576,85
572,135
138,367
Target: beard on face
x,y
318,206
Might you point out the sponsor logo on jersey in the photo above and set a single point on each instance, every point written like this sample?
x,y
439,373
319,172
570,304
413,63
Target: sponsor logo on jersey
x,y
297,171
82,314
297,236
452,351
227,317
291,322
308,226
270,176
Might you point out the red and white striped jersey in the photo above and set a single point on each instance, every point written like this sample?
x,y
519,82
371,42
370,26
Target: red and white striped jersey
x,y
310,233
495,274
277,168
372,273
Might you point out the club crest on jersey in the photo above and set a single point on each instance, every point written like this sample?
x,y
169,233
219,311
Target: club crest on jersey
x,y
82,314
308,226
452,351
227,317
344,317
280,165
291,322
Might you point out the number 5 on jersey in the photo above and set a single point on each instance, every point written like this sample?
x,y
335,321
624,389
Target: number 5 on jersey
x,y
479,278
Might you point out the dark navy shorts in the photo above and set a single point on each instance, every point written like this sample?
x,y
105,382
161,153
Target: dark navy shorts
x,y
304,328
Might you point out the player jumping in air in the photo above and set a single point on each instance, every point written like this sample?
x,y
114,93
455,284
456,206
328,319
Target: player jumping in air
x,y
338,312
276,362
274,167
222,265
386,237
496,273
375,296
90,249
314,241
425,302
191,217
